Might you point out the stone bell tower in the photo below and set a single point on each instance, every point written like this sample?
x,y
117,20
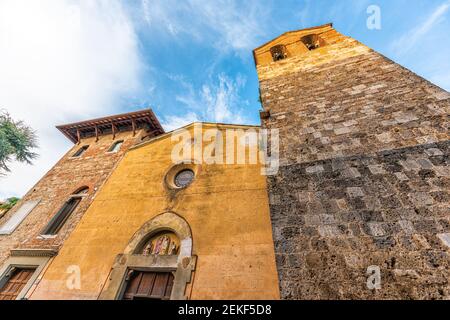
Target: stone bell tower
x,y
359,207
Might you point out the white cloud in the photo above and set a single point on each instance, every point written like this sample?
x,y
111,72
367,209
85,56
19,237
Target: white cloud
x,y
62,61
146,11
217,101
222,100
410,40
171,123
227,24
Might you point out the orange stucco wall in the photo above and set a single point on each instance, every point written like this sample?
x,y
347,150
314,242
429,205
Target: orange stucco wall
x,y
226,208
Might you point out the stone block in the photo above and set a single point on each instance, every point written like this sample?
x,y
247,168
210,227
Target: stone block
x,y
329,231
351,173
385,137
401,176
421,199
434,152
376,169
376,229
425,164
355,192
305,196
315,169
410,165
312,220
407,226
343,130
445,238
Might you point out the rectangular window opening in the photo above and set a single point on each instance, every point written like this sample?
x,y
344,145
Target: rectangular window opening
x,y
61,217
149,286
16,219
80,152
14,282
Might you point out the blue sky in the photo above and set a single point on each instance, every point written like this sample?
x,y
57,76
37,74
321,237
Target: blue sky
x,y
65,60
207,45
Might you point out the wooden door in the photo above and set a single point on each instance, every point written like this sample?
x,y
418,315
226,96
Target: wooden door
x,y
149,286
16,282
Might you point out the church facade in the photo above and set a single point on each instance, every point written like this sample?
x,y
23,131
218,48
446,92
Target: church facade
x,y
357,208
165,230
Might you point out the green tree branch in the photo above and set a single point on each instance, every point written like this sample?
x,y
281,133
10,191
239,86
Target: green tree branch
x,y
17,140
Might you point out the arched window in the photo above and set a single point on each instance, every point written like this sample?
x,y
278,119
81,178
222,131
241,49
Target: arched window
x,y
116,147
278,52
162,244
81,191
64,213
156,264
312,41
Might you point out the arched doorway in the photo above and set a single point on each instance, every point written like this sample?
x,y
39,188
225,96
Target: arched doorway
x,y
156,264
153,285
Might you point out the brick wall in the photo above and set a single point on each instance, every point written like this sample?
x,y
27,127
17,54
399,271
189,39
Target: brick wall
x,y
53,190
364,178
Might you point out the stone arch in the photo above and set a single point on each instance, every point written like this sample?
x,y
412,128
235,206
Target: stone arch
x,y
312,41
81,190
181,265
278,52
168,221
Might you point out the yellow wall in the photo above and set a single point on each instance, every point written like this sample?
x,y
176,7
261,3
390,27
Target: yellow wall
x,y
226,208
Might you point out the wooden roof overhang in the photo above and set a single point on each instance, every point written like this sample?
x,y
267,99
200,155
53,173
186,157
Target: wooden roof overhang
x,y
132,121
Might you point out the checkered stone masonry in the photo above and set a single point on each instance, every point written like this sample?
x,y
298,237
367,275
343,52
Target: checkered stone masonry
x,y
331,226
364,178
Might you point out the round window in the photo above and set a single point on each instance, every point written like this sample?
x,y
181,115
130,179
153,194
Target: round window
x,y
184,178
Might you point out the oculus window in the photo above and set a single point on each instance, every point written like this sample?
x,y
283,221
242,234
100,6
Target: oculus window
x,y
184,178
